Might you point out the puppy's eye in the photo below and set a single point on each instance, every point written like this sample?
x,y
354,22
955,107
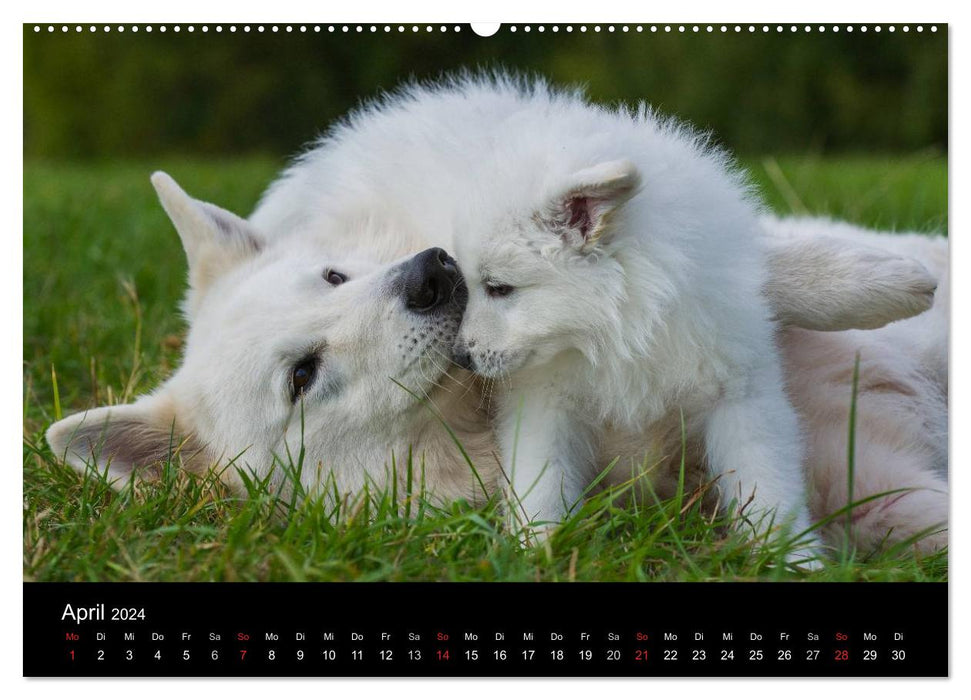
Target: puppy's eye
x,y
499,290
302,376
334,277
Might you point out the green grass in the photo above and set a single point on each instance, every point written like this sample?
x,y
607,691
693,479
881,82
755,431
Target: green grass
x,y
103,274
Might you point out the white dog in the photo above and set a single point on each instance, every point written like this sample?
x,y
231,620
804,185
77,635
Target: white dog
x,y
290,346
302,332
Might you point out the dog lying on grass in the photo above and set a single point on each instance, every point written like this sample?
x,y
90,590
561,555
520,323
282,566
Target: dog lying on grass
x,y
318,325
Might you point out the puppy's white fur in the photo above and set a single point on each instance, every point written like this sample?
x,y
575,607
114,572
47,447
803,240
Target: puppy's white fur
x,y
635,255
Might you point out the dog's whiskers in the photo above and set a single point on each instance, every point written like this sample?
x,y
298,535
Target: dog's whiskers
x,y
421,369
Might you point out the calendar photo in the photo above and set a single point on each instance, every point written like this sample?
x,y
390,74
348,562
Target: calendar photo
x,y
401,304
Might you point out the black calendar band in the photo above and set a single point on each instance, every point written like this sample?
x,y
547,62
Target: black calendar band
x,y
485,629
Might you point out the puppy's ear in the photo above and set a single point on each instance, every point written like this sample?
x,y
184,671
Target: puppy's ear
x,y
581,213
214,239
121,440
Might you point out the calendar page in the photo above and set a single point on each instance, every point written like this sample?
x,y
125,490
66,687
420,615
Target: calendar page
x,y
485,350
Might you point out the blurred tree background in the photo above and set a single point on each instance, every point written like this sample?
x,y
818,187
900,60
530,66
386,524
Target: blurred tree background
x,y
126,94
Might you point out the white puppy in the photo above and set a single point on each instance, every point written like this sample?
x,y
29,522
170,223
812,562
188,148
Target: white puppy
x,y
615,275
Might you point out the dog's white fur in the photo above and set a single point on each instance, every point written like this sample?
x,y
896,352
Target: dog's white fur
x,y
379,189
901,427
256,310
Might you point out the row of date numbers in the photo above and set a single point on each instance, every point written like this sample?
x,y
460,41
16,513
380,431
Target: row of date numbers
x,y
501,655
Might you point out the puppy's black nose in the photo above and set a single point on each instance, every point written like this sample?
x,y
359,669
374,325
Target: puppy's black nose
x,y
432,279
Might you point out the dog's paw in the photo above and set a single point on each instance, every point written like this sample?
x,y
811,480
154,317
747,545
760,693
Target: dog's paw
x,y
533,534
805,558
897,288
825,284
539,535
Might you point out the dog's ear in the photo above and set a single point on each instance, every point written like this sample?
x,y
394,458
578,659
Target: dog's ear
x,y
580,214
214,239
120,441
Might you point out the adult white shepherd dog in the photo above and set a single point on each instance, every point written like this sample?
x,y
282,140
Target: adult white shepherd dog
x,y
622,293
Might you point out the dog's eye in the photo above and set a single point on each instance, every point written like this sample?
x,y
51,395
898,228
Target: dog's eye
x,y
499,290
334,277
302,376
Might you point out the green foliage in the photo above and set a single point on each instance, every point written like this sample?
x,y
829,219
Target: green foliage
x,y
103,274
121,94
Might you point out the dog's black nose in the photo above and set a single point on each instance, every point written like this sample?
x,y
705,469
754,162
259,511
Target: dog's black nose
x,y
432,279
